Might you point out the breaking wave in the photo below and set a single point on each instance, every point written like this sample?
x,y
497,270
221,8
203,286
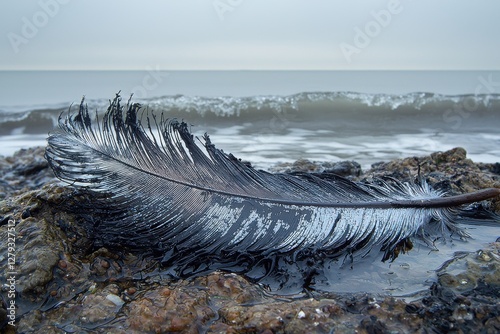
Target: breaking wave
x,y
315,105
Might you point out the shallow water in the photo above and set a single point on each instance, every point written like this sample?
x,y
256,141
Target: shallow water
x,y
409,273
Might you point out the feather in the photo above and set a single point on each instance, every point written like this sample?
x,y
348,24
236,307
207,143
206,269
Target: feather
x,y
156,187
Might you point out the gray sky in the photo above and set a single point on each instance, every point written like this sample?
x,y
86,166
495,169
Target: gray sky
x,y
250,34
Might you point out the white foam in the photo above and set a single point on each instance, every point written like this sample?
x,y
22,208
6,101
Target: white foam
x,y
11,144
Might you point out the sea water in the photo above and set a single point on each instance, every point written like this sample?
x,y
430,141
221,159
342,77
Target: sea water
x,y
278,116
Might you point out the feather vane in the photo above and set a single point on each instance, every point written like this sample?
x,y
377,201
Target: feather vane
x,y
161,189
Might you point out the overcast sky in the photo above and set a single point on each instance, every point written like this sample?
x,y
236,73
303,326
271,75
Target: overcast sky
x,y
250,34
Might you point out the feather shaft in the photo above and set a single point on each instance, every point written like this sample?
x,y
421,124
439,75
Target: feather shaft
x,y
199,205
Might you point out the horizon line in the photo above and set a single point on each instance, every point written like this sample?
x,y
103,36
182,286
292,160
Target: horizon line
x,y
240,70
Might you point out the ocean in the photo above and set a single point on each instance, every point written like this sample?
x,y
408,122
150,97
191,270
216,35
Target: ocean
x,y
268,117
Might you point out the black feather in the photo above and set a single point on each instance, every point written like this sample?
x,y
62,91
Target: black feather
x,y
161,190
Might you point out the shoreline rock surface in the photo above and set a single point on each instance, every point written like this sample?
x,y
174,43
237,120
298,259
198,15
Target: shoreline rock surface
x,y
66,285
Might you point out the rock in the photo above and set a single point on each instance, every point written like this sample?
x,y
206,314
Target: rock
x,y
69,284
27,169
342,168
449,171
184,309
345,168
38,245
468,272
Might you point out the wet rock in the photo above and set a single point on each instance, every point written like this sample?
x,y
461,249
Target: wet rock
x,y
301,165
3,312
164,309
27,169
449,171
38,246
69,284
345,168
467,273
342,168
493,168
100,307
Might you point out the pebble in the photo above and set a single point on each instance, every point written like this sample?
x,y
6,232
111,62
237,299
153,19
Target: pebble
x,y
179,324
115,299
484,256
63,264
26,213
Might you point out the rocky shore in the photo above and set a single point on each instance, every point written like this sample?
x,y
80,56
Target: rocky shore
x,y
66,285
